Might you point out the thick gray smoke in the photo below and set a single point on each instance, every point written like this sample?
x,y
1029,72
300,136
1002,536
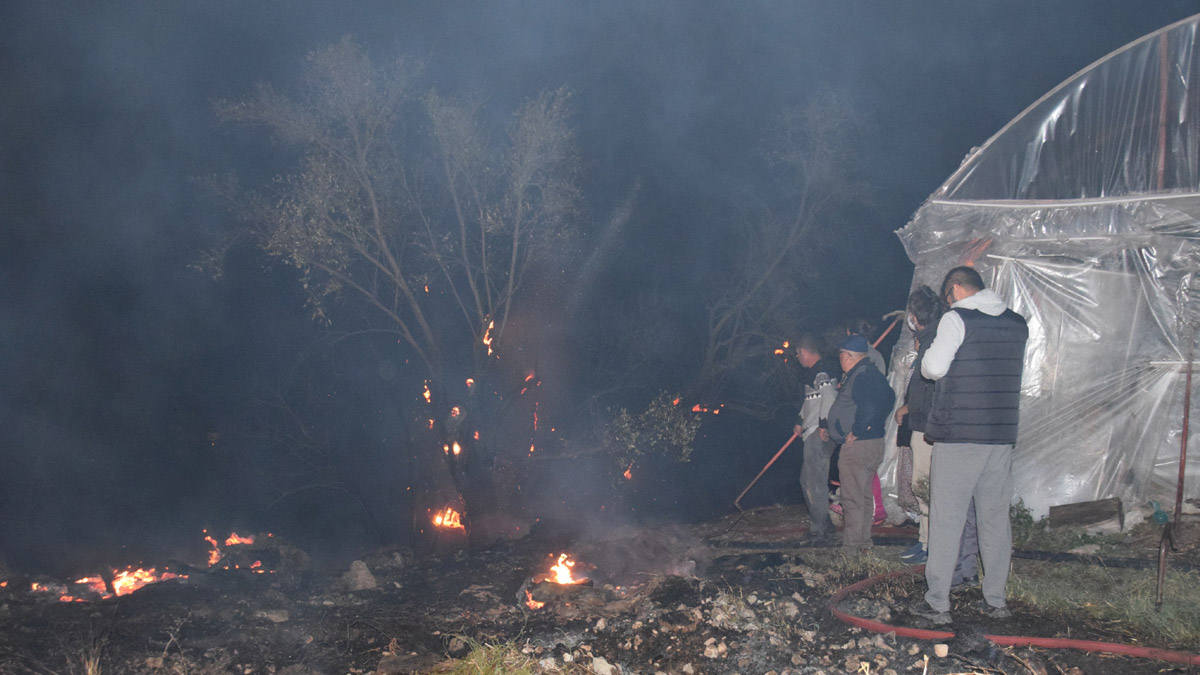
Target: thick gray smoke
x,y
124,370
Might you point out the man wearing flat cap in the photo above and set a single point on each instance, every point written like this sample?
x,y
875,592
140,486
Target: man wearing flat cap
x,y
857,420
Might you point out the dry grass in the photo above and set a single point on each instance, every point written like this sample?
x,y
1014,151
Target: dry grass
x,y
505,658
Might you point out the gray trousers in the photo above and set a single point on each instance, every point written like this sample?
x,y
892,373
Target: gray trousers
x,y
856,467
814,483
968,549
960,472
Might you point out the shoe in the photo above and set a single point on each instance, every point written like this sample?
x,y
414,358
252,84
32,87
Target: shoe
x,y
918,559
911,551
964,584
818,540
922,609
992,612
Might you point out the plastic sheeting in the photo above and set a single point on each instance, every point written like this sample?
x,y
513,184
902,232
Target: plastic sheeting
x,y
1084,214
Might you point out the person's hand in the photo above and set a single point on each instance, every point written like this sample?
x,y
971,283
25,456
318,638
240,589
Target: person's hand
x,y
798,430
824,434
849,438
901,413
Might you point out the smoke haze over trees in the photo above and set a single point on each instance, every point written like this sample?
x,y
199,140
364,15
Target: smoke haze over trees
x,y
131,379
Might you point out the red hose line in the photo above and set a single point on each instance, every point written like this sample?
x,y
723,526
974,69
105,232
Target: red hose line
x,y
1002,640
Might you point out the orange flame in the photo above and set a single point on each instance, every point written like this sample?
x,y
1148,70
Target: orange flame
x,y
487,337
470,382
427,394
449,519
456,448
533,604
560,572
235,539
629,472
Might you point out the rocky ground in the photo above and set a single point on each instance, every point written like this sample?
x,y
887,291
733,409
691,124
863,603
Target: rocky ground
x,y
737,596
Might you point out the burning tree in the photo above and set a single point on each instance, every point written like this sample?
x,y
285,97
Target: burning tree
x,y
412,208
779,247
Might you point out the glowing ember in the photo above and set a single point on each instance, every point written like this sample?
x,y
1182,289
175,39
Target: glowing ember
x,y
455,411
427,394
448,519
675,402
456,448
629,472
470,382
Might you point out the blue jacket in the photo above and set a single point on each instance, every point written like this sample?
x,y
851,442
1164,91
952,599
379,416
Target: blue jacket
x,y
863,404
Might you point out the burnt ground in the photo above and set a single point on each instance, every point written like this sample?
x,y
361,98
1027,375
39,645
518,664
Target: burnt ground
x,y
735,596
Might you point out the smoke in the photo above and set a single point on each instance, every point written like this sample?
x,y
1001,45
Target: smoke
x,y
120,360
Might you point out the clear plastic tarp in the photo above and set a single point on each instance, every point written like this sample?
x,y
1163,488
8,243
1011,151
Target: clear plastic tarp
x,y
1084,214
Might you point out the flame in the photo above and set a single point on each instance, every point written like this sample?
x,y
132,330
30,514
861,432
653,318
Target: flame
x,y
427,394
470,382
234,539
456,448
449,519
431,424
476,436
533,604
675,402
529,377
124,582
455,411
629,472
487,337
560,572
704,408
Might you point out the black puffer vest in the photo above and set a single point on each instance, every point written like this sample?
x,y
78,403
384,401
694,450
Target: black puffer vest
x,y
978,401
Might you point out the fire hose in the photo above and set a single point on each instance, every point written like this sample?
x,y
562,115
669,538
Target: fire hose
x,y
1001,640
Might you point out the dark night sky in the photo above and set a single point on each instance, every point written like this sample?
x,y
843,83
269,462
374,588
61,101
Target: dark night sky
x,y
118,359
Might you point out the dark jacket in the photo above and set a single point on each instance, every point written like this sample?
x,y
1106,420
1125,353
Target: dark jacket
x,y
978,401
863,404
919,394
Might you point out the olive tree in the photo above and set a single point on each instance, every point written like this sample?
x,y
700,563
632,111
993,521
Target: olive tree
x,y
410,211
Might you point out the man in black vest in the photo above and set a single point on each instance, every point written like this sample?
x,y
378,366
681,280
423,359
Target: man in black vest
x,y
977,359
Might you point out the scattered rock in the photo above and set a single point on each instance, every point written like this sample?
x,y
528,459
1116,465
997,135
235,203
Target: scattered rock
x,y
273,615
601,666
940,650
359,578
